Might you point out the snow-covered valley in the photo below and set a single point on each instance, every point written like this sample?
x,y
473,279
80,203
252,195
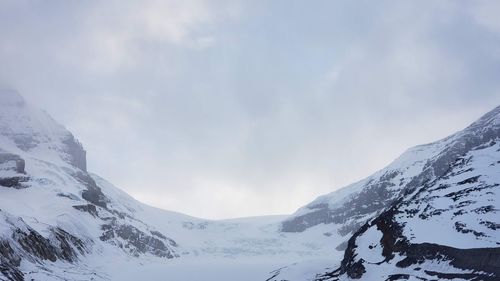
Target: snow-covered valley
x,y
420,217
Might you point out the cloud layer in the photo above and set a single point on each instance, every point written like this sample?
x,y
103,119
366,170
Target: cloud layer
x,y
230,108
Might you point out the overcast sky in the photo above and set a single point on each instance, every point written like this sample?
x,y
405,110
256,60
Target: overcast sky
x,y
233,108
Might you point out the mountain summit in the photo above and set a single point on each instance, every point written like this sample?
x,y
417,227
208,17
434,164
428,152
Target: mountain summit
x,y
25,129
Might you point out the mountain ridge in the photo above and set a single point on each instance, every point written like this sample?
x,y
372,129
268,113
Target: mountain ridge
x,y
455,190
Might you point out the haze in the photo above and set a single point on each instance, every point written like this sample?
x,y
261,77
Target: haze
x,y
223,109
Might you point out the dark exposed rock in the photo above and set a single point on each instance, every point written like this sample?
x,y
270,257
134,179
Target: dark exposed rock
x,y
77,155
35,244
484,209
89,208
485,262
398,277
356,270
469,180
158,234
274,274
17,161
14,163
490,225
461,276
26,243
68,195
65,246
8,254
9,263
373,198
457,195
12,273
13,182
70,247
93,194
462,227
137,241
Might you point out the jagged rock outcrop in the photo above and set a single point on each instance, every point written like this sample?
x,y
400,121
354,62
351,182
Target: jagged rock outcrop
x,y
92,193
12,162
19,241
137,241
13,168
77,155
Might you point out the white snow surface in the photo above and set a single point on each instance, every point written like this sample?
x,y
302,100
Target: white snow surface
x,y
467,209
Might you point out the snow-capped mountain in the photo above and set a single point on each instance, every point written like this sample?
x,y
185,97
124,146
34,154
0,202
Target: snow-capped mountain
x,y
51,208
431,214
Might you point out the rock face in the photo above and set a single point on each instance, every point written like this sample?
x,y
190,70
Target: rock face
x,y
139,242
359,207
21,241
12,162
12,167
77,155
62,214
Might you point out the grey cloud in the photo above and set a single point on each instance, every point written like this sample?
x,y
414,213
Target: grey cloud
x,y
230,108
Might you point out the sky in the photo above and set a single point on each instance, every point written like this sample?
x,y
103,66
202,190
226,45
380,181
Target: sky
x,y
222,109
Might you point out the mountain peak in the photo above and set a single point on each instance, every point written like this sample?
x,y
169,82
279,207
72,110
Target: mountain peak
x,y
26,129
